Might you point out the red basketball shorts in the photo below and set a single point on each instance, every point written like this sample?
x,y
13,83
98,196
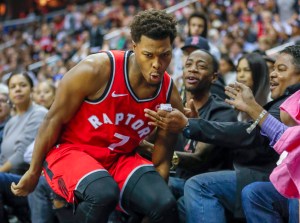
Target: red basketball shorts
x,y
67,164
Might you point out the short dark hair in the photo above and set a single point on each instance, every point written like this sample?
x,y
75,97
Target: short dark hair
x,y
154,24
25,74
294,51
214,61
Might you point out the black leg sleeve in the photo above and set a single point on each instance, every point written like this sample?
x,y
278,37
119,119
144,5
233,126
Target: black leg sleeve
x,y
147,194
96,199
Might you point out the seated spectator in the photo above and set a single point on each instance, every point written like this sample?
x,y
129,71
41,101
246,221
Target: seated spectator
x,y
236,51
198,25
263,201
264,44
200,71
197,42
295,34
227,69
4,109
45,93
208,196
96,34
252,70
18,133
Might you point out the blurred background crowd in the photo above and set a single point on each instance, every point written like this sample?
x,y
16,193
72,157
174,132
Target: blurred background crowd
x,y
48,43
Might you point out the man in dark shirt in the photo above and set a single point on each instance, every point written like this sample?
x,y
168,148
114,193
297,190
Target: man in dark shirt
x,y
200,71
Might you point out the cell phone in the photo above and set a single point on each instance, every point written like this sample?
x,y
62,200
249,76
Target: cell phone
x,y
166,107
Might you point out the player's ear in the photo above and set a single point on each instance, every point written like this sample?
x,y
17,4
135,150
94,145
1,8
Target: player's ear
x,y
133,45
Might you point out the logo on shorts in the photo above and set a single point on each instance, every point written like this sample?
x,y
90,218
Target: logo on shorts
x,y
114,95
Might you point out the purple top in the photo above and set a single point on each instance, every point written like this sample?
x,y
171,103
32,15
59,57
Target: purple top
x,y
273,129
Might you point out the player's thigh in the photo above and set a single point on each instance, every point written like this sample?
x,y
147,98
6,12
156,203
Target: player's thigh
x,y
66,169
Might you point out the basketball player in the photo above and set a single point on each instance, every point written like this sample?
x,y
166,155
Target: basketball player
x,y
87,142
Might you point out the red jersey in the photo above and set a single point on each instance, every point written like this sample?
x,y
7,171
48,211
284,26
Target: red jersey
x,y
116,120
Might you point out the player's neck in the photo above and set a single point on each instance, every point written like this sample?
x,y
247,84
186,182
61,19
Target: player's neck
x,y
133,68
137,81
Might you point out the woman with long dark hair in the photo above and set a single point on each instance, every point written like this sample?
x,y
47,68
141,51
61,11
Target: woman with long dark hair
x,y
252,70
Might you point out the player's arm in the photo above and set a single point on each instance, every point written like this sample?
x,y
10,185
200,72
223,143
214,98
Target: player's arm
x,y
165,141
82,81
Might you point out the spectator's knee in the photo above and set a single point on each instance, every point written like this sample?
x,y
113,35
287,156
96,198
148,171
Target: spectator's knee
x,y
194,184
249,193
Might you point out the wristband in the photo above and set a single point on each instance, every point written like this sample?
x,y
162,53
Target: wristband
x,y
254,124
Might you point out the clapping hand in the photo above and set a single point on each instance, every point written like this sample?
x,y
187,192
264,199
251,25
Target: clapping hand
x,y
190,110
241,96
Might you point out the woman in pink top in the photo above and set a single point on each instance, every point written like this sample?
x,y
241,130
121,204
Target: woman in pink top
x,y
286,176
268,201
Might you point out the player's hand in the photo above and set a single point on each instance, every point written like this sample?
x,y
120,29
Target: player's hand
x,y
26,184
173,121
241,96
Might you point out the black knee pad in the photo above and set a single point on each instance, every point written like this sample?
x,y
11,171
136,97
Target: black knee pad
x,y
103,191
95,198
65,215
148,194
164,211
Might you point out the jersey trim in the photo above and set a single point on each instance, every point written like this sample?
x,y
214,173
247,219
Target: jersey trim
x,y
110,81
90,177
170,89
